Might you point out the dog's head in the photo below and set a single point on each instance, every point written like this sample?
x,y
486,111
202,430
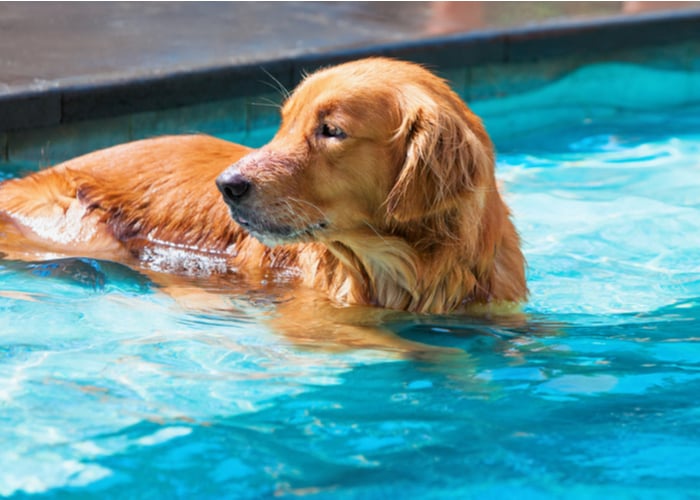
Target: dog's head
x,y
375,143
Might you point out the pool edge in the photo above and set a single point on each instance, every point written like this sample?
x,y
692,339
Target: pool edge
x,y
45,124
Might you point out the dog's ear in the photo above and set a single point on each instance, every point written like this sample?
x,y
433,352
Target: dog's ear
x,y
445,160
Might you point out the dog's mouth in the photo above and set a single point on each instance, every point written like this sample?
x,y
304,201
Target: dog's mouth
x,y
272,233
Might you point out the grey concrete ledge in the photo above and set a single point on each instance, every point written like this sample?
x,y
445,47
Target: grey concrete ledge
x,y
105,97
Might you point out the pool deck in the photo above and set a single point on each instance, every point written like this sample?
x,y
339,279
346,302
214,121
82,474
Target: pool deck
x,y
63,63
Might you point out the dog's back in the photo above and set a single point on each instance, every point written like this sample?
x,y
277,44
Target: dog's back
x,y
114,200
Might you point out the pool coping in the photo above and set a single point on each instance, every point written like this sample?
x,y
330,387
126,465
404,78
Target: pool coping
x,y
30,108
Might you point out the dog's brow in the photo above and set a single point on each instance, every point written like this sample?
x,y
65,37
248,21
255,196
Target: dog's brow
x,y
327,109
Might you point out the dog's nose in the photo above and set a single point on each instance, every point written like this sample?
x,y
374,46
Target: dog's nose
x,y
233,186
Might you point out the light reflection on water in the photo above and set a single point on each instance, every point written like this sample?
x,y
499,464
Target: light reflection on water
x,y
110,387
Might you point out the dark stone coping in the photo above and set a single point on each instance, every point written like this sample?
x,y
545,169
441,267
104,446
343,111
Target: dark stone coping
x,y
73,103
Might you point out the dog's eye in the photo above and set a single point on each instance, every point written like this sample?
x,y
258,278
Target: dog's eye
x,y
331,131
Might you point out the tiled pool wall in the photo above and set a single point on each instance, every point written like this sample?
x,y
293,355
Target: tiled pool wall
x,y
497,75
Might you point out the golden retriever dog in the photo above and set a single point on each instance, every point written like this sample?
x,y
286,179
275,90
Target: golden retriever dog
x,y
377,190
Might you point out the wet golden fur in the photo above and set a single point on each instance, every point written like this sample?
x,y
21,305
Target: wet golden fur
x,y
402,211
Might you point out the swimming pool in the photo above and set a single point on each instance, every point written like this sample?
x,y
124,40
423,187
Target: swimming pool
x,y
109,388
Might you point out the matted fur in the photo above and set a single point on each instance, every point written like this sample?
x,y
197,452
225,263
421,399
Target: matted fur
x,y
400,211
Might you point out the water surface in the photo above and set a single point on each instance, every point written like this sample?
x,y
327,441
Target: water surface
x,y
109,388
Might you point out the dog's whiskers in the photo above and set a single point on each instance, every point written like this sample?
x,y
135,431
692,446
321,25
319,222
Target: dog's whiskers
x,y
298,222
267,102
312,205
276,85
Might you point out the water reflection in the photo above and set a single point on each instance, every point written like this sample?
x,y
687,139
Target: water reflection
x,y
450,17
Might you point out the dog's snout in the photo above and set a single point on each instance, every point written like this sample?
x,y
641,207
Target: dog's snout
x,y
234,186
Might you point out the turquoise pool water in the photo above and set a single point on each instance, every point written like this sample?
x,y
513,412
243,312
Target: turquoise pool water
x,y
109,389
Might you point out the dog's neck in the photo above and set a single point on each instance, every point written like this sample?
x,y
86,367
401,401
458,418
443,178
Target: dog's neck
x,y
454,263
450,264
390,271
381,271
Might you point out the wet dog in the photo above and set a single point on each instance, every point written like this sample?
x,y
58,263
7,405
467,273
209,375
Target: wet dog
x,y
378,189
